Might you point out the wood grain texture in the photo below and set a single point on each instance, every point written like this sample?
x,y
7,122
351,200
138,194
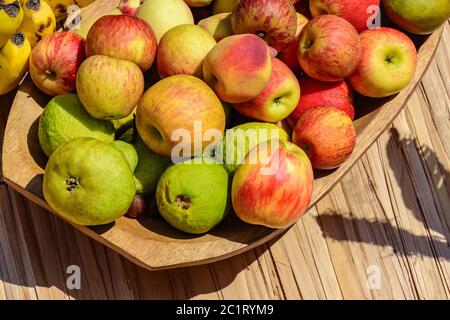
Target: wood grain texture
x,y
150,241
391,211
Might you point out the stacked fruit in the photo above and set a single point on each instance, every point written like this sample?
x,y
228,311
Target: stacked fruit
x,y
22,24
207,126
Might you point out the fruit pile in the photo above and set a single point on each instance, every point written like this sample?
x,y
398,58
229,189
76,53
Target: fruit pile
x,y
233,112
22,24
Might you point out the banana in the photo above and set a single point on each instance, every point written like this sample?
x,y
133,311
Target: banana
x,y
38,20
13,62
11,15
60,6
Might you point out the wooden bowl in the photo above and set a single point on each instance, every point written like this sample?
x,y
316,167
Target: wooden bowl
x,y
150,242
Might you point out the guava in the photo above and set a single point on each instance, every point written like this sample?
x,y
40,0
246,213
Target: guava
x,y
239,140
193,197
129,152
88,182
65,118
149,168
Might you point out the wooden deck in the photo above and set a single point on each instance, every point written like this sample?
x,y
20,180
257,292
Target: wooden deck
x,y
382,233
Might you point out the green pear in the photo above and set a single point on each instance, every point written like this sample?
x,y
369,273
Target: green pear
x,y
109,88
65,118
193,197
129,152
149,168
239,140
88,182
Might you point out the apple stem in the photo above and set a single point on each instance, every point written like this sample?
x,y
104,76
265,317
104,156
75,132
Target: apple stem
x,y
51,74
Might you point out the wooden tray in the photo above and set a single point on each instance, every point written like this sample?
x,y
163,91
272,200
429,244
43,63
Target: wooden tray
x,y
150,242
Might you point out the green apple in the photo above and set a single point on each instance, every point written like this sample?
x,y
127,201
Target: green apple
x,y
387,65
418,16
193,197
88,182
149,168
64,118
164,15
239,140
129,152
109,88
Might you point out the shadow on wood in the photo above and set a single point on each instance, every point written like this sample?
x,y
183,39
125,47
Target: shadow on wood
x,y
434,244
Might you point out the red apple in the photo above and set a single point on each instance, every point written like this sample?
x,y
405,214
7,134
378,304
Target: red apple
x,y
274,191
272,20
54,62
277,100
123,37
289,55
329,48
317,94
327,135
388,63
358,12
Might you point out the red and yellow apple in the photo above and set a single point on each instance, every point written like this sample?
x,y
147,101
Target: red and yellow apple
x,y
317,94
388,63
178,105
54,62
274,191
219,25
275,21
123,37
357,12
238,68
109,88
278,99
182,50
327,135
289,55
329,48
